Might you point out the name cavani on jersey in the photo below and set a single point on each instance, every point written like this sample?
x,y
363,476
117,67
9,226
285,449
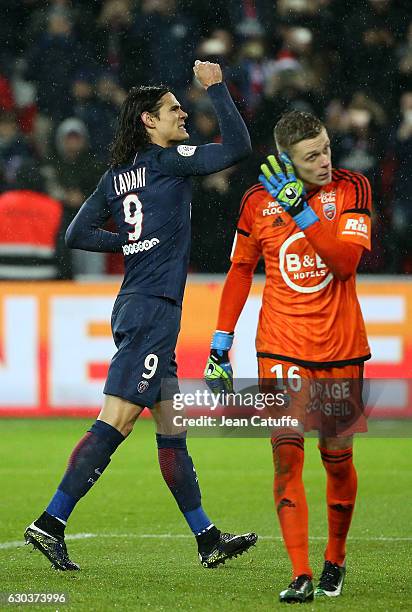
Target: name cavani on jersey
x,y
127,181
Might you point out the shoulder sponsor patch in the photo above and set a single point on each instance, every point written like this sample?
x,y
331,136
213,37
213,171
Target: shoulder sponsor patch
x,y
355,227
186,150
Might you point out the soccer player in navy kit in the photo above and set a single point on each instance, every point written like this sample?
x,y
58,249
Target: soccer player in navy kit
x,y
147,191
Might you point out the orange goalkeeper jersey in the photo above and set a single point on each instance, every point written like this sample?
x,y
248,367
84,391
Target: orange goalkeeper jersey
x,y
308,316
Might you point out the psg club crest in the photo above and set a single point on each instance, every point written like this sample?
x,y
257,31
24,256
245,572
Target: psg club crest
x,y
142,386
329,210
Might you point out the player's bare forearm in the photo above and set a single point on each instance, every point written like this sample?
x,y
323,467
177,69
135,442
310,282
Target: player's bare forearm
x,y
234,295
342,258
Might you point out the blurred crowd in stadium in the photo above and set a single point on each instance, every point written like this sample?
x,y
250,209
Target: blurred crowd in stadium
x,y
65,68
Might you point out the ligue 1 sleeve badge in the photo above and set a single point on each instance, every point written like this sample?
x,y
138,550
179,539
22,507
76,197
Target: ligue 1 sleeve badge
x,y
329,210
186,150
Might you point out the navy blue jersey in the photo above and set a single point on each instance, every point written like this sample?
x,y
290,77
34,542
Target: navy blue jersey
x,y
150,202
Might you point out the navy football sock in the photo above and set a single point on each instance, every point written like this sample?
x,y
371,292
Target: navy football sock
x,y
86,464
50,525
180,476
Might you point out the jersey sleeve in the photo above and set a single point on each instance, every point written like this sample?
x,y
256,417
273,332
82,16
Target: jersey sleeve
x,y
85,231
246,248
186,160
354,224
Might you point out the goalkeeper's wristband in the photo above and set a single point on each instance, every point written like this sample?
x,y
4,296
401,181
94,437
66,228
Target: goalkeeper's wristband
x,y
305,218
296,209
222,341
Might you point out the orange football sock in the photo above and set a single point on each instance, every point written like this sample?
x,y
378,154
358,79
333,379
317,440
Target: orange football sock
x,y
341,490
290,500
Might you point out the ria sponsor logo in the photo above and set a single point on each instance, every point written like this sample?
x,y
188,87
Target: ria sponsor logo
x,y
356,226
138,247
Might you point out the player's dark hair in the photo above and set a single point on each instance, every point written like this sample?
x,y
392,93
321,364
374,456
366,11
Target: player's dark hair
x,y
295,126
131,134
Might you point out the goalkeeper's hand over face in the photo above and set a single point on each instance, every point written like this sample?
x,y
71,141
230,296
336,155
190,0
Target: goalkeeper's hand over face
x,y
287,189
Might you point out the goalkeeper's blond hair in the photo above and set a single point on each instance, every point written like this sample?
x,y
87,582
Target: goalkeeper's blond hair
x,y
295,126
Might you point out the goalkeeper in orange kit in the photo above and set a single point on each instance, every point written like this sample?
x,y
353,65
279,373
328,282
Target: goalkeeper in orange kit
x,y
311,224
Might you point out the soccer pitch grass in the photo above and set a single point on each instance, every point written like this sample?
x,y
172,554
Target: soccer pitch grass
x,y
139,554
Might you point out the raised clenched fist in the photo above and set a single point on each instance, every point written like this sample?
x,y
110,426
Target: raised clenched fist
x,y
207,73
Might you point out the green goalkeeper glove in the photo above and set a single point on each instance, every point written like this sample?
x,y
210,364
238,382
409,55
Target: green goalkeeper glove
x,y
288,190
218,371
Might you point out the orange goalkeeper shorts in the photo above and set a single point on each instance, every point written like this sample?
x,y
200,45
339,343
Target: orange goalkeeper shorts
x,y
327,400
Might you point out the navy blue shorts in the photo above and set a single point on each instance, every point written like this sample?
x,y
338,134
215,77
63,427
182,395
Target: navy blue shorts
x,y
145,330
